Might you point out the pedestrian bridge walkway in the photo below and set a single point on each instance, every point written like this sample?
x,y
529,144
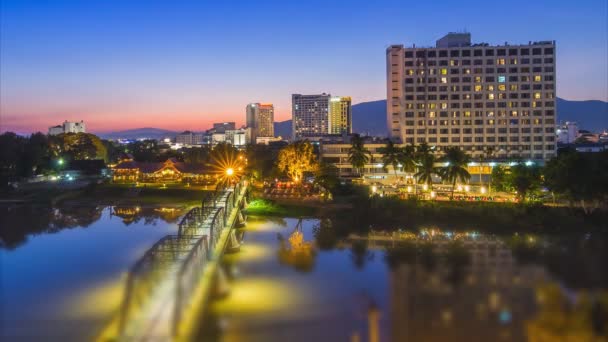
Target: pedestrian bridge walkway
x,y
167,289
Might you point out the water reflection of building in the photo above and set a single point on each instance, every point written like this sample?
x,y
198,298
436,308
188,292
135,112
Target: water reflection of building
x,y
491,300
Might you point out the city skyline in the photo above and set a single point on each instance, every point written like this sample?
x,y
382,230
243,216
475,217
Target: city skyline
x,y
112,65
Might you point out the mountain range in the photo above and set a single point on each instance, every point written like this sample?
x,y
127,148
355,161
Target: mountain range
x,y
370,118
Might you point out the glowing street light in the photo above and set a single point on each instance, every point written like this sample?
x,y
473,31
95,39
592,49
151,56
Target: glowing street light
x,y
483,189
229,171
60,161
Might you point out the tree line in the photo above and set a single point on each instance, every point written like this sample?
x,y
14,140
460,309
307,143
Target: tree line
x,y
576,177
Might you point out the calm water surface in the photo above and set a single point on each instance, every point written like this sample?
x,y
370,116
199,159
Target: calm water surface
x,y
63,271
439,286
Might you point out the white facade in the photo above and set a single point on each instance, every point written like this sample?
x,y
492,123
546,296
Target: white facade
x,y
477,97
68,127
188,138
567,132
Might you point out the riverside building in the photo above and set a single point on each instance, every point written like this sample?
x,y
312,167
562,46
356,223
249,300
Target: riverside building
x,y
260,118
491,101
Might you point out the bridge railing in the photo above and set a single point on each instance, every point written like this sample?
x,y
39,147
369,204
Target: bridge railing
x,y
187,253
144,275
187,280
217,224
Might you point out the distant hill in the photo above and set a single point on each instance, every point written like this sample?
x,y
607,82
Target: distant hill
x,y
590,115
283,129
139,133
370,118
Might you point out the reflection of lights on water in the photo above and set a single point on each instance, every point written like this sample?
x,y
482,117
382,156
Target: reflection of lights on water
x,y
98,301
259,296
504,317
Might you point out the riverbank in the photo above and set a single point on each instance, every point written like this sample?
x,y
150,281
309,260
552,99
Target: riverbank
x,y
106,194
361,213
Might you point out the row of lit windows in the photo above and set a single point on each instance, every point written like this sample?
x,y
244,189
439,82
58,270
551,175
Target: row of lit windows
x,y
487,96
480,79
456,105
478,87
432,140
424,131
467,62
478,113
468,71
480,122
433,53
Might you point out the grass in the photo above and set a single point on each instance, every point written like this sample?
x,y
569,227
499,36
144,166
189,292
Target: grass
x,y
263,207
109,194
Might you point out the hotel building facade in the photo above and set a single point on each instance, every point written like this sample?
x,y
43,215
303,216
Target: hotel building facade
x,y
478,97
260,118
320,115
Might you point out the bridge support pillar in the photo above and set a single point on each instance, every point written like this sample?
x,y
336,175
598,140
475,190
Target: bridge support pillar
x,y
233,243
222,287
240,220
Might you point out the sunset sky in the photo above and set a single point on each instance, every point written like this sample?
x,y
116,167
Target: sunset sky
x,y
185,64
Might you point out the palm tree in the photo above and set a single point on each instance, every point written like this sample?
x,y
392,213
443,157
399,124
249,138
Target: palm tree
x,y
408,161
426,169
358,155
488,155
391,155
455,168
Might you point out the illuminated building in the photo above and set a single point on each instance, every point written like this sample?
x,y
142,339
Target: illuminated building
x,y
340,115
68,127
567,133
130,171
474,96
315,116
260,118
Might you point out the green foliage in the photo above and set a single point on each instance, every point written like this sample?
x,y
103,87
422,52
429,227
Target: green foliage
x,y
499,178
297,158
426,168
261,160
524,179
455,169
579,177
391,155
196,155
358,155
78,146
144,151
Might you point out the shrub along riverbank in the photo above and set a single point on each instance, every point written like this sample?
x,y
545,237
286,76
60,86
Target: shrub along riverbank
x,y
388,213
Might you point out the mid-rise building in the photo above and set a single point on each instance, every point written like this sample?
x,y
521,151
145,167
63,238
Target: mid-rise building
x,y
567,132
189,138
475,96
238,137
68,127
309,115
340,115
222,127
260,118
315,116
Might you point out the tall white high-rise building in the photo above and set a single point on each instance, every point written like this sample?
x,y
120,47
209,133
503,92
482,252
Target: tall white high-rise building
x,y
474,96
260,118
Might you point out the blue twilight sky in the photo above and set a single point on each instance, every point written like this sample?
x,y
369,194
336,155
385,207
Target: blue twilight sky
x,y
183,64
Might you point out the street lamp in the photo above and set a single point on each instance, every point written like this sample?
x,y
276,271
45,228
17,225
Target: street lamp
x,y
229,171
